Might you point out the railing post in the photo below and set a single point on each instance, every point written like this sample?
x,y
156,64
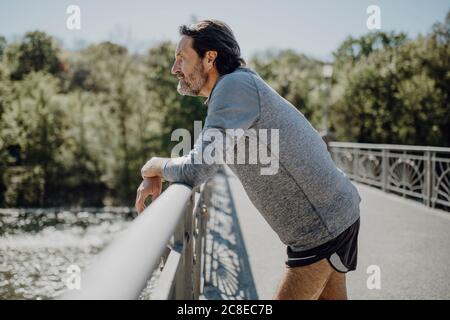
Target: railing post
x,y
200,234
179,242
197,243
432,177
197,256
208,204
183,239
188,250
428,180
355,164
403,157
384,170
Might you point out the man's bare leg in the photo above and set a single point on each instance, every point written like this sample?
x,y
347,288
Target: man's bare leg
x,y
304,283
336,288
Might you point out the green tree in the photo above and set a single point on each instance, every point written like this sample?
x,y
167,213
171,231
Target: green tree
x,y
396,94
294,76
36,52
5,96
2,45
33,125
353,49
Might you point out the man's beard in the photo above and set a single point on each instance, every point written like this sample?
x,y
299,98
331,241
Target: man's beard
x,y
193,83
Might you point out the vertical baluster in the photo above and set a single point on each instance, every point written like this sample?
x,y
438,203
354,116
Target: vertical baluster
x,y
384,169
198,233
355,164
433,179
188,261
426,180
183,238
404,173
205,217
178,239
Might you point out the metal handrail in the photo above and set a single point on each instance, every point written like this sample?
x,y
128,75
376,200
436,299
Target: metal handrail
x,y
123,268
386,146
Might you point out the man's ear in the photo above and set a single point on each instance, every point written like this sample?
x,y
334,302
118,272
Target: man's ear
x,y
210,57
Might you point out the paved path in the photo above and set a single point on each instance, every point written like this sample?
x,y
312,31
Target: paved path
x,y
407,241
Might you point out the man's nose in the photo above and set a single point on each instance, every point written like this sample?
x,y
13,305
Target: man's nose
x,y
175,68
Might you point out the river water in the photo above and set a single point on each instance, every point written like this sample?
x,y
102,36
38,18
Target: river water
x,y
38,247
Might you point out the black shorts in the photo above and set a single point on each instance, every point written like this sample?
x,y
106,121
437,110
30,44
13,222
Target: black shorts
x,y
341,252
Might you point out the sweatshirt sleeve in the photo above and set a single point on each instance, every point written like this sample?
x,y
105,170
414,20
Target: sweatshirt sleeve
x,y
234,104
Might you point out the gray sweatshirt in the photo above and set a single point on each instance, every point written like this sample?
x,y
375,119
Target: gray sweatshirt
x,y
308,201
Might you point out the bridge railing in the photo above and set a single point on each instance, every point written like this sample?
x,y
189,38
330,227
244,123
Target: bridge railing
x,y
170,234
418,172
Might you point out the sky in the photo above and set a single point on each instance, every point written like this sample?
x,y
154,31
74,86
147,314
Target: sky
x,y
315,28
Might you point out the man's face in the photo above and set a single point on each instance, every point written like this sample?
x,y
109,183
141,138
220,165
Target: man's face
x,y
189,69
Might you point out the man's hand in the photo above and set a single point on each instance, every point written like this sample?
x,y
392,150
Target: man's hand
x,y
153,168
149,186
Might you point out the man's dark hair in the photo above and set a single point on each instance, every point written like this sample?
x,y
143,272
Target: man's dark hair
x,y
215,35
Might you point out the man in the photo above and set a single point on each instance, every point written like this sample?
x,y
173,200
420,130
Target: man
x,y
309,203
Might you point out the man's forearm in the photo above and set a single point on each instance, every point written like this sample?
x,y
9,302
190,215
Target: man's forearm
x,y
181,169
